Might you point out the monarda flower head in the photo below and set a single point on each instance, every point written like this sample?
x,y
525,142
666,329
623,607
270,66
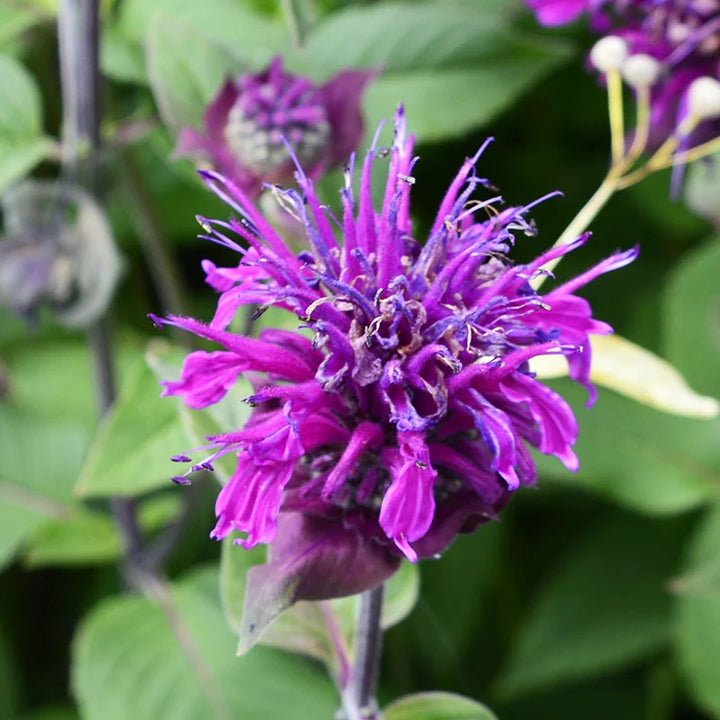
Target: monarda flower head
x,y
402,409
682,36
257,121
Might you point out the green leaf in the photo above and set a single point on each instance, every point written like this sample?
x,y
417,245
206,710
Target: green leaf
x,y
83,538
86,537
16,18
40,463
697,615
22,145
401,36
131,451
692,317
184,82
604,608
218,24
128,663
20,114
253,36
450,102
19,156
453,64
659,463
436,706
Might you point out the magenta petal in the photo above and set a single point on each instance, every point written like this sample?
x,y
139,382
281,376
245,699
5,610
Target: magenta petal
x,y
217,111
408,506
311,559
206,377
558,12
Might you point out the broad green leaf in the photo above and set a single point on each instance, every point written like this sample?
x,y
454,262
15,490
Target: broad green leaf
x,y
436,706
606,607
401,36
82,538
692,317
41,460
15,20
175,657
183,83
18,156
86,537
240,29
697,615
248,36
131,451
659,463
20,114
636,373
22,144
448,102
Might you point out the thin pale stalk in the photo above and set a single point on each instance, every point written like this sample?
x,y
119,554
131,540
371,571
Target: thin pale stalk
x,y
581,222
615,109
642,129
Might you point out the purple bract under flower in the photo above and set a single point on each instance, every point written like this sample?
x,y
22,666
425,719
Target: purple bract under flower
x,y
248,122
408,414
683,35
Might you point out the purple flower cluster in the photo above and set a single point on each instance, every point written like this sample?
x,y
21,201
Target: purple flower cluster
x,y
403,407
682,35
254,115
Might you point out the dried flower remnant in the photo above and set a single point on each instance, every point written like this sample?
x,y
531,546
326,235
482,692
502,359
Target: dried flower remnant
x,y
57,252
407,416
249,122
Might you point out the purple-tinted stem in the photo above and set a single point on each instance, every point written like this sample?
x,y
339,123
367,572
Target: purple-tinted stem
x,y
359,700
79,74
339,646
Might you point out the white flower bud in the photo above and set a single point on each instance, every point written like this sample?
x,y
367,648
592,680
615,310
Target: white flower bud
x,y
704,98
609,53
640,70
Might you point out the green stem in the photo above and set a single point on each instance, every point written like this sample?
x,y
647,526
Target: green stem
x,y
583,219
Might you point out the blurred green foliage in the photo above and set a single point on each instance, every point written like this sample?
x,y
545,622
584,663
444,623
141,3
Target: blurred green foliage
x,y
598,596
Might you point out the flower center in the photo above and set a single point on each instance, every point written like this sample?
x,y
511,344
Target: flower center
x,y
270,110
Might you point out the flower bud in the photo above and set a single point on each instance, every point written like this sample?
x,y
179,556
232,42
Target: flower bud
x,y
258,121
640,71
704,98
609,53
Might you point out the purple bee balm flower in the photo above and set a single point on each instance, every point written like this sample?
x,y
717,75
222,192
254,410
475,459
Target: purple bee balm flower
x,y
682,35
403,408
250,120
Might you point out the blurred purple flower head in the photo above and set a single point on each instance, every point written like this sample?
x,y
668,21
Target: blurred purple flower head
x,y
403,407
682,35
249,122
